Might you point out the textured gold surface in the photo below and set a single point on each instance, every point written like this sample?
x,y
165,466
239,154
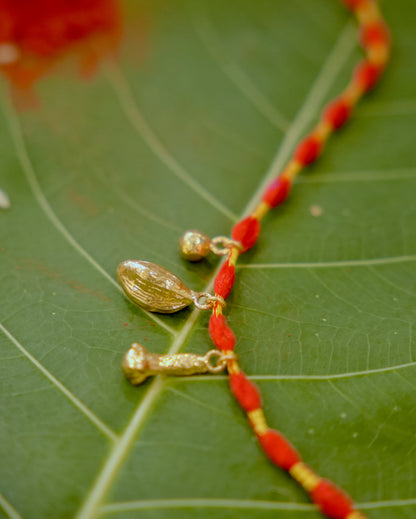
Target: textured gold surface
x,y
153,287
194,245
138,363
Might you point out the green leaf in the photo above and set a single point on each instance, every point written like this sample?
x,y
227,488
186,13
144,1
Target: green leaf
x,y
323,306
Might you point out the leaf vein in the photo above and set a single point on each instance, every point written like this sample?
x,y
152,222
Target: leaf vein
x,y
206,33
127,506
132,113
9,509
330,264
323,378
360,176
28,170
86,411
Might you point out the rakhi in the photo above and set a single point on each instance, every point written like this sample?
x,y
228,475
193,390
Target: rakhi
x,y
155,289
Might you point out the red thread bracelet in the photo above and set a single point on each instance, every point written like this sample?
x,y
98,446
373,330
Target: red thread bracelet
x,y
375,40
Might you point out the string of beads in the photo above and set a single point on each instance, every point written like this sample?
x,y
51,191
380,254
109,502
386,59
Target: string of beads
x,y
375,40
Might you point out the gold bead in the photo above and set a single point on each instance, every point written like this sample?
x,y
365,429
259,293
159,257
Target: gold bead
x,y
194,245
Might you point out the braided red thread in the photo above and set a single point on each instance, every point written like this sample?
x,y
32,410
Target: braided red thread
x,y
224,280
308,150
246,232
277,191
221,334
278,449
332,501
246,393
375,33
367,74
337,113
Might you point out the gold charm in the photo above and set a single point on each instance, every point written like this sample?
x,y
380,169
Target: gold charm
x,y
195,245
138,363
154,288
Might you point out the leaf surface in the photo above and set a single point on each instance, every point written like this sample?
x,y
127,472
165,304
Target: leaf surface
x,y
323,307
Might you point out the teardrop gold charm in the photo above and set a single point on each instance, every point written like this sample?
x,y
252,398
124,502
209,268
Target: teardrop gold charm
x,y
153,287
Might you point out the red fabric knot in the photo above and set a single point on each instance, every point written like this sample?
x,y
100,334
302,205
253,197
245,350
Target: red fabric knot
x,y
375,33
308,150
245,391
279,450
337,113
277,191
221,334
332,501
225,280
367,74
246,232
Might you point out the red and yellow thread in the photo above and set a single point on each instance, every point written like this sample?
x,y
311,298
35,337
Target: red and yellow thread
x,y
375,40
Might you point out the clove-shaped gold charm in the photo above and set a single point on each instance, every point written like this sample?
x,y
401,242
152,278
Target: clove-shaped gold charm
x,y
154,288
138,363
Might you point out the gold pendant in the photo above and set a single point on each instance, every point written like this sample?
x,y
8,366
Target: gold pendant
x,y
155,289
138,363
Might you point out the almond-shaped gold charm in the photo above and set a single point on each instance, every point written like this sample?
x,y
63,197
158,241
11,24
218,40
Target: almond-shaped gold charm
x,y
153,287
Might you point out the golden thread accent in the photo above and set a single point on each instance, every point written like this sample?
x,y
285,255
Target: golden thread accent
x,y
217,310
233,256
233,367
368,13
258,421
304,475
291,170
352,93
323,130
378,54
356,515
261,210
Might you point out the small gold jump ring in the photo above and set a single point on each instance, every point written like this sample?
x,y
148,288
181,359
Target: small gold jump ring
x,y
221,245
221,361
210,300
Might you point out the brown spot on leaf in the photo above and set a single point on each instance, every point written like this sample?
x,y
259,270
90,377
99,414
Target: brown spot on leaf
x,y
86,204
57,274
